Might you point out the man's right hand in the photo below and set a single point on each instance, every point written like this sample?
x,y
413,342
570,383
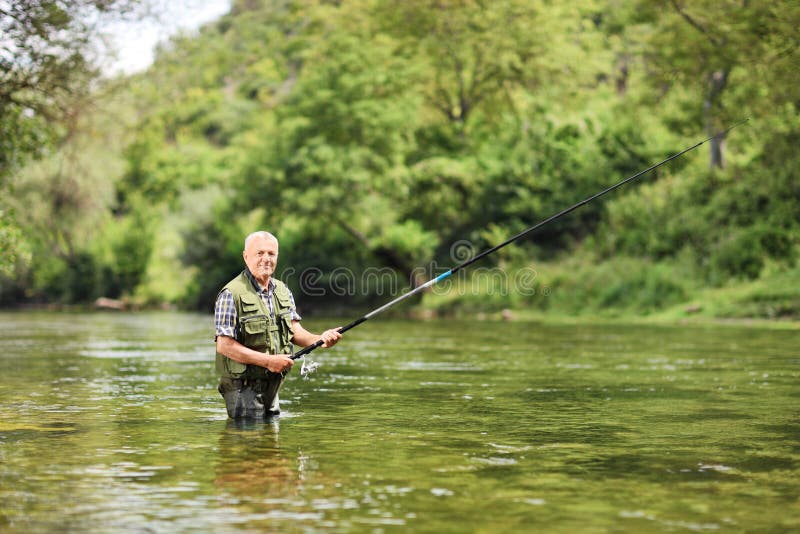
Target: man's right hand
x,y
278,363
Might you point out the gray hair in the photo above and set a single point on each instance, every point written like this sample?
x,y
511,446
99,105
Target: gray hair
x,y
260,233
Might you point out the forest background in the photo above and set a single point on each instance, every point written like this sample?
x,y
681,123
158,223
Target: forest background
x,y
384,141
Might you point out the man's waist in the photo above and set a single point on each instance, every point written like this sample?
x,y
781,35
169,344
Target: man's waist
x,y
253,373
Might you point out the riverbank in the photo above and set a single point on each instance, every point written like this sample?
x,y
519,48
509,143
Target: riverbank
x,y
625,290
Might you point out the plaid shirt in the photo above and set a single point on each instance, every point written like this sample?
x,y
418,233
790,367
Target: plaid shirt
x,y
225,318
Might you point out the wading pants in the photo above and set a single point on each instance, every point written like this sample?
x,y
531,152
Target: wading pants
x,y
251,398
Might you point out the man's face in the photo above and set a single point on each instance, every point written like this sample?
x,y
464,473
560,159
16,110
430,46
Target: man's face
x,y
261,257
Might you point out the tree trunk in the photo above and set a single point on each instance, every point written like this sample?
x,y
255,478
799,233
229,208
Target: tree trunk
x,y
716,84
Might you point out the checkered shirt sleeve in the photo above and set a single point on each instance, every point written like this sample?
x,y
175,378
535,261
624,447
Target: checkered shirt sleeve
x,y
295,315
225,315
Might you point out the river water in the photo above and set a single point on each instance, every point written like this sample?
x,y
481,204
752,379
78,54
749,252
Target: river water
x,y
111,422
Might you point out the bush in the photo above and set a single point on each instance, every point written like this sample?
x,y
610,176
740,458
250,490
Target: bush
x,y
744,252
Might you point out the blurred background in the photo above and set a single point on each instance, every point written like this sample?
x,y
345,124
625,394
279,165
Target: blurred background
x,y
140,142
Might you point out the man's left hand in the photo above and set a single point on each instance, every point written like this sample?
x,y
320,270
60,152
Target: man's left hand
x,y
330,337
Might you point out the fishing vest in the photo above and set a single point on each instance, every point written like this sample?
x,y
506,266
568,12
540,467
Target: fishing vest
x,y
256,328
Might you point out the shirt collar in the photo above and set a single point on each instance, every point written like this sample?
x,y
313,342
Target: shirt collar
x,y
256,285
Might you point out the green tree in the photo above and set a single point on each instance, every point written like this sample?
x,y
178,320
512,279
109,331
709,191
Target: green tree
x,y
723,60
335,154
707,65
46,61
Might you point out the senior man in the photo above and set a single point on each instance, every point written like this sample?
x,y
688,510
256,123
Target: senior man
x,y
256,323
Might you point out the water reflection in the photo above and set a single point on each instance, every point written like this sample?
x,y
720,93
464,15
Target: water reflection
x,y
252,464
266,481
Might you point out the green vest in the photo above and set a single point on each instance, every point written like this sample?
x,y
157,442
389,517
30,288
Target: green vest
x,y
256,328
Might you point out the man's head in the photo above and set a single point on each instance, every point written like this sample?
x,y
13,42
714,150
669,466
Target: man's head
x,y
261,255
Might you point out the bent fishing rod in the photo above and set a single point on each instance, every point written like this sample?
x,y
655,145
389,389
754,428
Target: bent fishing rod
x,y
510,240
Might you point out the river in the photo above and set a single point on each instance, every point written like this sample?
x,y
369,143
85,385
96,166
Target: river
x,y
111,422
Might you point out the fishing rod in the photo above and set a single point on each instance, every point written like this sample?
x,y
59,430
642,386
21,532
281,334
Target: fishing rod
x,y
508,241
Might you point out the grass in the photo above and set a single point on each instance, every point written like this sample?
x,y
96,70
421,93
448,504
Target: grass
x,y
620,289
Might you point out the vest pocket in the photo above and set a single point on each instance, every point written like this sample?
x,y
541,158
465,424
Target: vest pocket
x,y
254,332
233,367
249,304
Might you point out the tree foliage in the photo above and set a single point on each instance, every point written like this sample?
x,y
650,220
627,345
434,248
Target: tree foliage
x,y
375,134
47,66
